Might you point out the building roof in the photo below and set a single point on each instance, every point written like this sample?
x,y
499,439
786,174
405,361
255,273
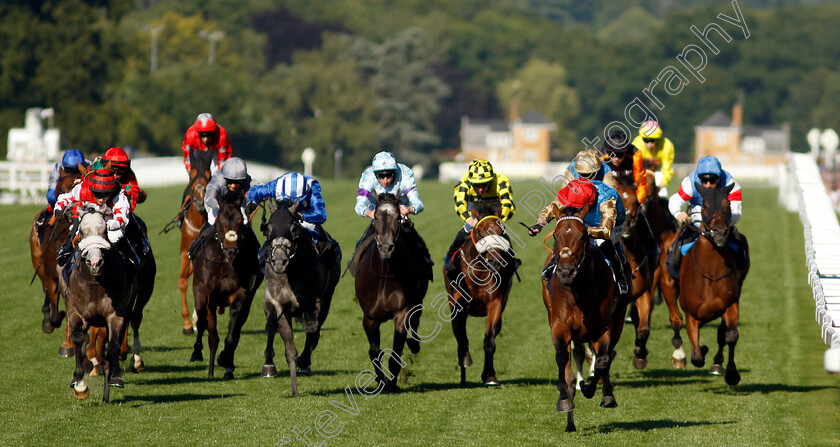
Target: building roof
x,y
717,119
534,117
775,138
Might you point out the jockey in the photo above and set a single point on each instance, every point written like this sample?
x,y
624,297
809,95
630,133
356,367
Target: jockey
x,y
385,175
301,188
657,153
101,192
625,161
118,162
708,174
604,220
70,163
232,177
206,135
479,184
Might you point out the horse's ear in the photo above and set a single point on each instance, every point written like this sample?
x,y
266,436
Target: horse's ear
x,y
374,196
555,210
728,189
398,195
83,169
499,212
294,207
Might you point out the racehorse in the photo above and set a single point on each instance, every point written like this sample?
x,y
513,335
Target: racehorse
x,y
195,216
101,291
643,264
709,286
226,273
390,284
482,287
583,306
145,287
298,283
662,225
43,253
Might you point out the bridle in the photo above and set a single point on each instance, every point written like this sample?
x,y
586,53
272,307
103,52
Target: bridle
x,y
498,242
581,257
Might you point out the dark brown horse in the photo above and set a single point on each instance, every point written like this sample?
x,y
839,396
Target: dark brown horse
x,y
195,216
226,274
583,306
709,286
662,225
643,264
43,253
390,282
482,287
101,291
298,283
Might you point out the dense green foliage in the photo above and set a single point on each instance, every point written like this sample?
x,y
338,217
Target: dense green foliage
x,y
400,74
785,397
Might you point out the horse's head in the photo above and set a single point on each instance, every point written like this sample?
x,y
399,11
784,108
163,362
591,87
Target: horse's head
x,y
199,177
285,234
386,222
631,206
67,178
492,247
230,224
570,243
717,216
93,242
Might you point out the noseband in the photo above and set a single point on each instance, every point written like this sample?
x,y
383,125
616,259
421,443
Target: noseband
x,y
582,257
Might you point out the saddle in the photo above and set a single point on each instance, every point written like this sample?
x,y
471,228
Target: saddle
x,y
353,265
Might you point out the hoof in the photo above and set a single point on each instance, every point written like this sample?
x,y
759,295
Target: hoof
x,y
268,371
491,381
413,345
47,327
588,391
197,357
608,402
639,363
228,374
136,364
305,371
117,382
188,331
224,361
81,390
716,370
678,363
570,428
732,377
565,405
65,352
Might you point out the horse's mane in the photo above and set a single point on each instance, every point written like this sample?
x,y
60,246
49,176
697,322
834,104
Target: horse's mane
x,y
200,160
715,196
387,197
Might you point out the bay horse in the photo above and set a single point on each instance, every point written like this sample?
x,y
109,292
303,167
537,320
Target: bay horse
x,y
643,264
226,274
709,286
583,306
298,283
390,282
101,291
43,253
195,216
482,287
662,225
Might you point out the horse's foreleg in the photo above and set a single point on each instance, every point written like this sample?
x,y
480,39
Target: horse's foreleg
x,y
669,294
698,353
80,388
395,362
285,325
643,307
96,349
494,326
113,374
66,349
372,332
271,325
602,364
459,329
186,271
239,311
413,340
313,336
201,325
579,355
565,378
730,318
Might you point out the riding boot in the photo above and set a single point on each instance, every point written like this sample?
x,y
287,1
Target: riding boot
x,y
460,238
687,233
417,241
740,249
199,240
124,246
66,250
649,241
325,242
40,221
621,267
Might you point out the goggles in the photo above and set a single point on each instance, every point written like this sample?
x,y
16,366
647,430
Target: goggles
x,y
385,174
709,178
649,140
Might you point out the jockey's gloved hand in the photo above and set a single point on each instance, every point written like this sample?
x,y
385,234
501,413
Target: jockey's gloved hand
x,y
250,207
536,228
113,225
141,196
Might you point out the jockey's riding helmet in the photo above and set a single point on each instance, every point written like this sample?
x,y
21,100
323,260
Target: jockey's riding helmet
x,y
480,171
709,165
650,130
587,162
205,123
617,142
384,161
102,181
72,158
577,194
117,157
235,169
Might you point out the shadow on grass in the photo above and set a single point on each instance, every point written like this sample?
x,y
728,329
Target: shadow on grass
x,y
164,348
767,388
163,369
136,401
297,330
649,425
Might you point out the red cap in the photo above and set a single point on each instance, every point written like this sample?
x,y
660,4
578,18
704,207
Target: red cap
x,y
117,157
205,123
103,181
577,194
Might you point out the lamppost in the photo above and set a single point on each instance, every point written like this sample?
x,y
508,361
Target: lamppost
x,y
154,31
212,38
